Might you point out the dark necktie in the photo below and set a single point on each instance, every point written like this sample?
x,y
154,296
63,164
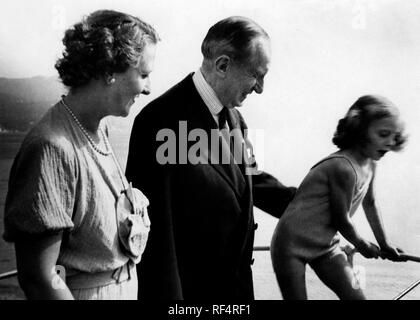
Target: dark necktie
x,y
222,118
224,130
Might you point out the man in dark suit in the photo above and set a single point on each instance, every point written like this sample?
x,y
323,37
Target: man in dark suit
x,y
201,206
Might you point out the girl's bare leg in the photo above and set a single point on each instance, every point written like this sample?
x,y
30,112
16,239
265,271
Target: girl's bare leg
x,y
337,273
290,273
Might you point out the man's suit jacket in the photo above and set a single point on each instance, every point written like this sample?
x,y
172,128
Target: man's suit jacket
x,y
202,224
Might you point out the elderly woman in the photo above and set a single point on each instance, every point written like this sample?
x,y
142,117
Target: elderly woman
x,y
69,203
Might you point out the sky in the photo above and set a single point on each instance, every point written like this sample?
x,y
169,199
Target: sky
x,y
325,54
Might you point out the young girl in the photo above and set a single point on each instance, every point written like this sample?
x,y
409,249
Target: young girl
x,y
327,199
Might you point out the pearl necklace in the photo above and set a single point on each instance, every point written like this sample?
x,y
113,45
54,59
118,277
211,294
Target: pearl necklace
x,y
92,143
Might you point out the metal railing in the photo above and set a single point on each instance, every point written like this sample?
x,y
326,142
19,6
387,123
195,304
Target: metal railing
x,y
9,274
350,254
408,257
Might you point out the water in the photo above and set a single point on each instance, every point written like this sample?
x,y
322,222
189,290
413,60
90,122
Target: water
x,y
9,144
383,279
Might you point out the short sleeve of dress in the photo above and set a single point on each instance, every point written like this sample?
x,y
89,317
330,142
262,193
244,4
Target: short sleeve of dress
x,y
41,191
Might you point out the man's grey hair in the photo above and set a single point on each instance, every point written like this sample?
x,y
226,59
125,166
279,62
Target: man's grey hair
x,y
235,37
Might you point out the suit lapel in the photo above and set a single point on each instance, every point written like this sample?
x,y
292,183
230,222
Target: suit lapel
x,y
199,116
239,145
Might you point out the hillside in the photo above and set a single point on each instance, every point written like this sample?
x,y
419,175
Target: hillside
x,y
24,101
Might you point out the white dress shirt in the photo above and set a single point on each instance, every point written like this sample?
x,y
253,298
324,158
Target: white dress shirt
x,y
208,95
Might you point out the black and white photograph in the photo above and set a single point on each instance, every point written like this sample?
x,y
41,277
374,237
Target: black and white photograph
x,y
210,151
